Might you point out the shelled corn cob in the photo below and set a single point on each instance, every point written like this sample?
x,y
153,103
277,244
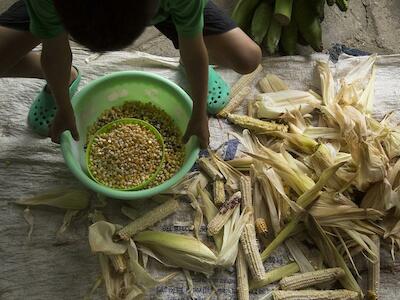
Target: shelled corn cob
x,y
281,24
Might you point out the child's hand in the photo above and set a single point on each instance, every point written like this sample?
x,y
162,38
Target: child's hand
x,y
198,125
63,121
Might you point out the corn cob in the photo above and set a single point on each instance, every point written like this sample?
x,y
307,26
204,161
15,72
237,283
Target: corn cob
x,y
272,83
261,21
283,11
207,166
234,101
242,276
261,227
244,81
304,280
119,263
150,218
255,124
315,295
250,249
374,273
273,36
219,192
224,213
245,188
274,275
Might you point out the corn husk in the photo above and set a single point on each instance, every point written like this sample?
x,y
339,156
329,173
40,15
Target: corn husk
x,y
179,250
65,198
274,105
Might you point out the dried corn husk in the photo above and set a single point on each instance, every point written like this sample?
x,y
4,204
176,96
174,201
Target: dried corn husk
x,y
65,198
274,105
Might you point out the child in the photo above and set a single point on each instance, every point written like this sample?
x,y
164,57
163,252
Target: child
x,y
198,28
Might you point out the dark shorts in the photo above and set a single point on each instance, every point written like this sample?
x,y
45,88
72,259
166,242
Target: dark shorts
x,y
215,21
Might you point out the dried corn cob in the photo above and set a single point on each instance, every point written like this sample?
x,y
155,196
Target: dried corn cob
x,y
301,281
207,166
374,273
261,227
119,263
256,125
219,192
234,102
272,83
150,218
275,275
224,213
250,249
245,80
315,295
245,188
242,276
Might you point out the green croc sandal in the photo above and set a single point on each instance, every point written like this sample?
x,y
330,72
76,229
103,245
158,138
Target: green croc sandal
x,y
43,108
218,90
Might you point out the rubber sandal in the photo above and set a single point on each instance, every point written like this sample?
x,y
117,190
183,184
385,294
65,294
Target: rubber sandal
x,y
218,91
44,108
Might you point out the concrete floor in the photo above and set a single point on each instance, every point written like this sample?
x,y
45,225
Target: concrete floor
x,y
369,25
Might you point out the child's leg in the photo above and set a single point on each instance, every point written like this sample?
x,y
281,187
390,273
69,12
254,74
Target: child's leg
x,y
16,43
235,50
16,60
227,45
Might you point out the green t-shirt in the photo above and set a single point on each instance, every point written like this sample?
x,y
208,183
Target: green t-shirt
x,y
187,16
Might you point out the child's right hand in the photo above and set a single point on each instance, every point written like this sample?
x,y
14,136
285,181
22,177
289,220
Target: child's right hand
x,y
63,120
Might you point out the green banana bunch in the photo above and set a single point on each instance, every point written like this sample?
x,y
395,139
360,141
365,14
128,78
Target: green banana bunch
x,y
282,24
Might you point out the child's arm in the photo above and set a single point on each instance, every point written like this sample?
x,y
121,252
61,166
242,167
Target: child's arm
x,y
195,59
56,63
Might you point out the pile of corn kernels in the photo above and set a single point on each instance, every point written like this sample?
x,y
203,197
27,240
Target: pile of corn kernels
x,y
125,157
174,148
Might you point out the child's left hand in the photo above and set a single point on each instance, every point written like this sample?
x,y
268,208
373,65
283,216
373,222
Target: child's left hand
x,y
63,121
198,125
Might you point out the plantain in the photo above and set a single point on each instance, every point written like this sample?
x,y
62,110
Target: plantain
x,y
261,21
289,38
273,36
318,7
308,24
243,12
283,11
342,4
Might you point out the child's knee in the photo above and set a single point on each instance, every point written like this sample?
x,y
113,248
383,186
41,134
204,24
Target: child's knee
x,y
249,59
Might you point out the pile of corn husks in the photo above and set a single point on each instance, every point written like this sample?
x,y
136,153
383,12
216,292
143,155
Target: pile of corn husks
x,y
317,174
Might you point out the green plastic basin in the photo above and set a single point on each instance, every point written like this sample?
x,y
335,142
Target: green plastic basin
x,y
114,90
